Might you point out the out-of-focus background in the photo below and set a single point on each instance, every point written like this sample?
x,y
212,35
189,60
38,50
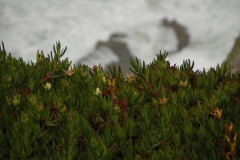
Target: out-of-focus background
x,y
107,31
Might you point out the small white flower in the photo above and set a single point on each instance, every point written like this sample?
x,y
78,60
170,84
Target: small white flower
x,y
98,92
48,86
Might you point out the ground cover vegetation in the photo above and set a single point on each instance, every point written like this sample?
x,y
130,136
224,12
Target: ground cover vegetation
x,y
52,110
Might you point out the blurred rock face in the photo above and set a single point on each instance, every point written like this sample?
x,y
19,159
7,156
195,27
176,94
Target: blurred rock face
x,y
234,56
118,48
115,51
180,31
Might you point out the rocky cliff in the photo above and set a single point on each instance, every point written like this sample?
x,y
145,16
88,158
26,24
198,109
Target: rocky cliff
x,y
234,56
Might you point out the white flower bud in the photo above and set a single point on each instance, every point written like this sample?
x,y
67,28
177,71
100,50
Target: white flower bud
x,y
98,92
48,86
104,79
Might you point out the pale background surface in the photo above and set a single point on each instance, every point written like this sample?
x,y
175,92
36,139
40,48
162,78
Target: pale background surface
x,y
213,25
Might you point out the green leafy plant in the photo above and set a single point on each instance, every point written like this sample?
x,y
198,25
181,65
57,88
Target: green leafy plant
x,y
52,110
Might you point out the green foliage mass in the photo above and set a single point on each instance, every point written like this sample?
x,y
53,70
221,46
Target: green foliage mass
x,y
50,110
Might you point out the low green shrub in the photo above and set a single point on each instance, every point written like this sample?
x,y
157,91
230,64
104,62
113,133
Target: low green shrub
x,y
50,110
